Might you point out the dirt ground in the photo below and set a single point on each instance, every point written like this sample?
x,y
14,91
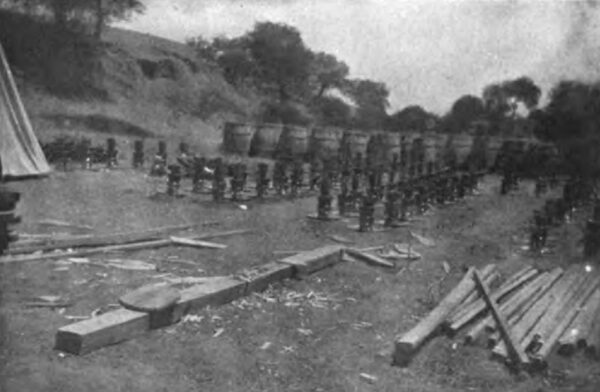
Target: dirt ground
x,y
316,334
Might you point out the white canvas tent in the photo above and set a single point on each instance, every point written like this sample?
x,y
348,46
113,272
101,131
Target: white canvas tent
x,y
20,153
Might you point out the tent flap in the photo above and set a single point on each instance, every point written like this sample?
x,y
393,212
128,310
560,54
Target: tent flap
x,y
20,152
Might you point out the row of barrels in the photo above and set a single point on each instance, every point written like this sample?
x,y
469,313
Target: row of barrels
x,y
272,140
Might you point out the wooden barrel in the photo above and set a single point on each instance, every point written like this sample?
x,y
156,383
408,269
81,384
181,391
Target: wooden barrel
x,y
391,145
355,142
462,144
325,143
294,141
237,137
265,140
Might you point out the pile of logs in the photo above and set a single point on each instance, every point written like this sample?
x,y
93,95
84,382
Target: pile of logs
x,y
522,319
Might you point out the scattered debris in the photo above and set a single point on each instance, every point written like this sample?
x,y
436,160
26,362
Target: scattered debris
x,y
446,266
305,332
342,239
266,345
423,240
192,318
59,223
196,243
132,265
368,378
218,332
48,304
75,318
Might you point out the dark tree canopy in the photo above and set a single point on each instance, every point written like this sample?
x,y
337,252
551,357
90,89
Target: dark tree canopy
x,y
281,57
502,99
571,120
413,118
371,99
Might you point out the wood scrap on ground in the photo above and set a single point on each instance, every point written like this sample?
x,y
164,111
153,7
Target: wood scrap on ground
x,y
113,248
369,258
101,239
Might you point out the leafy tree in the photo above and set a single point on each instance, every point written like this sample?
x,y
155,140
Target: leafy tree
x,y
282,59
571,120
327,72
332,111
371,99
107,11
503,99
65,11
413,118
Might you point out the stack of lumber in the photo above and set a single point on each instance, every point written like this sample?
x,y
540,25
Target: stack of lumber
x,y
523,319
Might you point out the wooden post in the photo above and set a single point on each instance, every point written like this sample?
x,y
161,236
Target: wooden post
x,y
516,352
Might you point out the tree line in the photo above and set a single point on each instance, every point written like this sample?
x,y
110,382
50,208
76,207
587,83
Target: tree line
x,y
78,15
303,86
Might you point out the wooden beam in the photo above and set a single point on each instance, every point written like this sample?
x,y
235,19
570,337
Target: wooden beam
x,y
575,336
526,321
105,249
369,258
516,352
570,311
106,329
310,261
89,241
260,277
474,296
593,341
519,299
479,306
196,243
407,344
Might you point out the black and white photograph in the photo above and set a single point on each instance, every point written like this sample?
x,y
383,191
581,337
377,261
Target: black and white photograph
x,y
299,195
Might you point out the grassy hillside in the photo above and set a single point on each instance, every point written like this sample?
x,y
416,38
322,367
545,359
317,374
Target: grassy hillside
x,y
132,85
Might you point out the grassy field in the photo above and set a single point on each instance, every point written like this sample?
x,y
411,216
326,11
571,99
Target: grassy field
x,y
316,334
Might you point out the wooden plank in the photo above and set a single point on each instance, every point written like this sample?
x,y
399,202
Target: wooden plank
x,y
196,243
105,249
592,348
369,258
530,292
260,277
474,296
546,308
217,292
516,352
100,240
555,312
516,301
407,344
570,311
576,334
150,298
106,329
479,306
313,260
